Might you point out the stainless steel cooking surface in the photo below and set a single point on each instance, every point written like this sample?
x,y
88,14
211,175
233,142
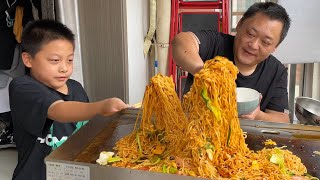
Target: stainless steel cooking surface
x,y
308,110
83,148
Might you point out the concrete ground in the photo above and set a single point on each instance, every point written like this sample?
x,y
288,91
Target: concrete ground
x,y
8,161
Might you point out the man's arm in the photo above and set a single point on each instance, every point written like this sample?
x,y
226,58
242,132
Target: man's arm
x,y
273,116
268,115
185,52
73,111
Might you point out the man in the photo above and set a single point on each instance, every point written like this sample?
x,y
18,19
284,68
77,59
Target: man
x,y
260,31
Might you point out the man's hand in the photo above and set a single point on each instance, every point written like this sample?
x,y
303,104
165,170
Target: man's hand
x,y
252,115
268,115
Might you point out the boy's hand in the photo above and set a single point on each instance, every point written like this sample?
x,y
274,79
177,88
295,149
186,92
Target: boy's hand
x,y
112,105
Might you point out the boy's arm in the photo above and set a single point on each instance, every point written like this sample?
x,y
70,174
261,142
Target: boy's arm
x,y
73,111
185,52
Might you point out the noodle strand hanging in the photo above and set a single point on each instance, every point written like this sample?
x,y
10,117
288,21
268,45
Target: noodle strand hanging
x,y
202,136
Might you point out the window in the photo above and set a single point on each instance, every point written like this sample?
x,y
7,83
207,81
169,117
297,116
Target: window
x,y
238,9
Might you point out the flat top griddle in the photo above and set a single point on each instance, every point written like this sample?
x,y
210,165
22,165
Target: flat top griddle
x,y
102,133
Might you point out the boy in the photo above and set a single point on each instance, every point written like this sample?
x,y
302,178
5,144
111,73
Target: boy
x,y
45,103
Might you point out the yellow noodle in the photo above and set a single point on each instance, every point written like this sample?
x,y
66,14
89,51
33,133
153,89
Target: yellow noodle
x,y
202,137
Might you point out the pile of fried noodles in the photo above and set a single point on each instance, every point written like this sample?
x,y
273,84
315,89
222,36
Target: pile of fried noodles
x,y
200,137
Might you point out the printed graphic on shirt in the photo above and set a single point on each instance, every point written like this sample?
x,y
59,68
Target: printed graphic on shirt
x,y
55,142
52,140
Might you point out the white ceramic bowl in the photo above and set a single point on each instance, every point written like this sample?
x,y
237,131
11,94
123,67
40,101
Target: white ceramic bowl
x,y
247,100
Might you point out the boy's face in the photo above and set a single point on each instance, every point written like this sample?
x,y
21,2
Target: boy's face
x,y
53,64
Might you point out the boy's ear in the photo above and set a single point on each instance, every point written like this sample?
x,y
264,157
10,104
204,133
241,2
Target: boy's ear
x,y
26,58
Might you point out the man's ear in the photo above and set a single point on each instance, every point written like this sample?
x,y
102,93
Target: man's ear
x,y
26,58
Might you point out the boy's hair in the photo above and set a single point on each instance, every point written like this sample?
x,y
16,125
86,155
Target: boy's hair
x,y
40,32
274,11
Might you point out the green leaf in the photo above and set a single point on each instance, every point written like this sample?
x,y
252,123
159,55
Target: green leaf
x,y
278,158
173,170
209,105
114,159
138,142
155,160
229,134
164,168
208,145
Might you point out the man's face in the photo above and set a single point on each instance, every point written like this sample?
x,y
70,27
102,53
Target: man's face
x,y
257,37
53,64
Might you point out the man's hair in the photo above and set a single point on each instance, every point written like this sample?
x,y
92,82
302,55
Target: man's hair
x,y
274,11
41,32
